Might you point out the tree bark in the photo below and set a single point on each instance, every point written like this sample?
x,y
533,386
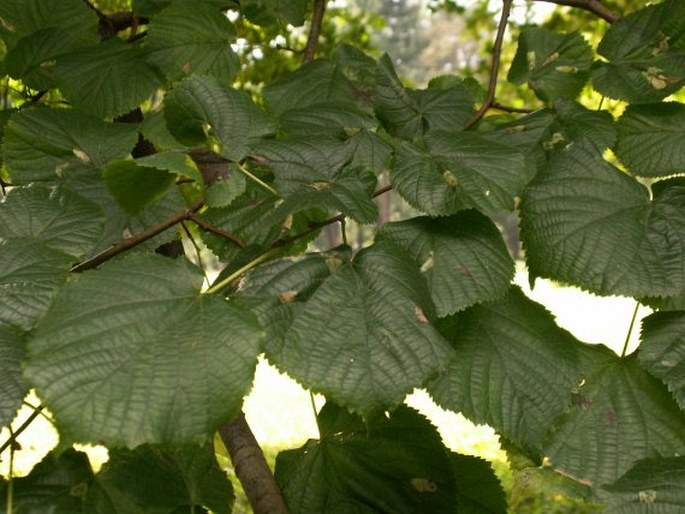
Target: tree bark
x,y
251,468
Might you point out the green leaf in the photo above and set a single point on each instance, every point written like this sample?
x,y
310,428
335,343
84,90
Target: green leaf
x,y
575,123
175,162
364,338
314,84
34,58
266,12
478,489
223,192
586,223
280,288
409,114
650,137
458,171
133,353
30,273
58,485
368,151
155,130
662,351
46,144
20,18
134,186
645,53
231,115
60,218
513,368
395,465
315,172
179,48
149,479
620,414
12,386
98,81
463,258
553,65
651,485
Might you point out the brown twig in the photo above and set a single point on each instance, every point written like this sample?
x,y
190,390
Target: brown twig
x,y
130,242
251,468
594,6
494,71
508,108
315,30
13,437
215,230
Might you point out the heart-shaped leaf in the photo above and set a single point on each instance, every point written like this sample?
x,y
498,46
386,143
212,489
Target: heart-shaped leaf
x,y
513,368
646,62
650,139
364,337
97,79
587,223
662,351
46,144
61,219
231,115
463,258
394,465
458,171
133,353
554,65
620,414
179,49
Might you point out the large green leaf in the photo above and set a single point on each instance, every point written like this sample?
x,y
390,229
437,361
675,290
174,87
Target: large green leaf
x,y
651,486
98,79
554,65
463,258
662,351
60,218
57,485
364,337
394,465
479,491
458,171
409,114
179,47
280,288
587,223
45,144
316,83
650,139
12,386
30,273
620,414
231,115
513,368
646,55
34,58
133,353
315,172
134,186
21,18
155,480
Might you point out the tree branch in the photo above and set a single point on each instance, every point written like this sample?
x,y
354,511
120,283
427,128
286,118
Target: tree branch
x,y
315,30
130,242
216,231
508,108
251,468
594,6
13,436
494,71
